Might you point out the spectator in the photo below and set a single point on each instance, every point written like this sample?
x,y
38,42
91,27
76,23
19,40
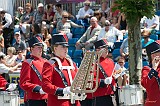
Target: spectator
x,y
11,57
64,26
46,36
7,29
47,39
101,20
89,37
124,49
49,14
28,14
152,23
37,17
122,22
58,14
20,57
110,33
105,10
146,38
145,41
120,76
19,44
120,71
85,13
18,15
5,68
25,21
36,29
114,22
57,17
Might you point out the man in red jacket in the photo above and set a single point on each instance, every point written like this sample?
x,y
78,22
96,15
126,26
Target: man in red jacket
x,y
30,75
59,73
150,78
103,95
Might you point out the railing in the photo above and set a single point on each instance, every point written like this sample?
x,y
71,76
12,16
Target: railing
x,y
22,3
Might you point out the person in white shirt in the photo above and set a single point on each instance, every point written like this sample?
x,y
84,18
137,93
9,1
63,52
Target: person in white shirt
x,y
152,23
7,27
4,68
110,33
86,11
124,49
120,75
6,19
120,71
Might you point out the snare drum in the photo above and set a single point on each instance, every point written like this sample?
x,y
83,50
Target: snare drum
x,y
130,95
9,98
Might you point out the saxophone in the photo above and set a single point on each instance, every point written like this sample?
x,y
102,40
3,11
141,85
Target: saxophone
x,y
84,81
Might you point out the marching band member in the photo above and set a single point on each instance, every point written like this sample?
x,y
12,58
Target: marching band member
x,y
30,75
4,85
3,82
150,78
58,73
103,95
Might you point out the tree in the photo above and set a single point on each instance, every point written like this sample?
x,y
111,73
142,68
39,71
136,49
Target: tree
x,y
134,10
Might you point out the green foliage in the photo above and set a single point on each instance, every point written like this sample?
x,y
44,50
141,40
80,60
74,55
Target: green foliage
x,y
136,9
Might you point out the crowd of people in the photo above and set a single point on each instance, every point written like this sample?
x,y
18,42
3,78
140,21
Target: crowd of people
x,y
28,43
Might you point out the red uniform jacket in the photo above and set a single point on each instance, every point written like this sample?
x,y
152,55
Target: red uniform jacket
x,y
150,83
29,80
3,82
52,82
103,89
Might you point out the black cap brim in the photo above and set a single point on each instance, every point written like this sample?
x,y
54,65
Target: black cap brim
x,y
102,46
155,51
61,43
66,45
38,44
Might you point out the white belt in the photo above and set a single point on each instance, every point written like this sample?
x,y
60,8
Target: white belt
x,y
75,96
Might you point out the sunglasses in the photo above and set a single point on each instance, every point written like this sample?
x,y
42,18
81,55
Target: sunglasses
x,y
65,17
19,52
107,25
87,5
145,37
96,14
120,62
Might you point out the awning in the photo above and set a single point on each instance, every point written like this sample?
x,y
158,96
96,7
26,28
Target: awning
x,y
65,1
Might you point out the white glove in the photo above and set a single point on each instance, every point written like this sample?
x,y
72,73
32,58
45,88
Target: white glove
x,y
12,87
108,80
41,91
66,90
